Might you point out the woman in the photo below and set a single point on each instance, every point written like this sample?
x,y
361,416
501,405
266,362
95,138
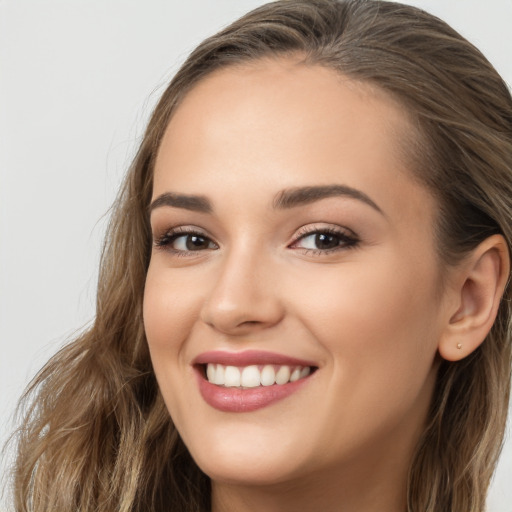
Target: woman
x,y
303,300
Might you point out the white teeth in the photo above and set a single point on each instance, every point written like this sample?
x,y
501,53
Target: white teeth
x,y
231,377
253,376
268,375
305,372
210,372
295,375
283,375
250,377
219,375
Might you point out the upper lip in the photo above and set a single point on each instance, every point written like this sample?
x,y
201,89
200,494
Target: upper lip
x,y
247,358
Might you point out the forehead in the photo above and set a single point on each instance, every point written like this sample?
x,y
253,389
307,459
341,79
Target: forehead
x,y
281,123
275,103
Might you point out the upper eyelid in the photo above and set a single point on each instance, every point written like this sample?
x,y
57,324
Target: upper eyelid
x,y
180,229
310,229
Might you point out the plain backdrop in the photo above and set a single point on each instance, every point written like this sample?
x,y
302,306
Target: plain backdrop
x,y
78,79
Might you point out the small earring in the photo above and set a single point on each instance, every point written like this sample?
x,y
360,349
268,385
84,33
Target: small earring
x,y
459,345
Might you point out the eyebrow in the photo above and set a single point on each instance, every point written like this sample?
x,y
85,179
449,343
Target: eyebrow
x,y
288,198
188,202
293,197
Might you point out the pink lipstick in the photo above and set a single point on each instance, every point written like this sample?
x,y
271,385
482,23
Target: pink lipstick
x,y
249,380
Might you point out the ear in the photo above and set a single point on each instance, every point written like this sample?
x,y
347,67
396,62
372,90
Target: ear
x,y
480,282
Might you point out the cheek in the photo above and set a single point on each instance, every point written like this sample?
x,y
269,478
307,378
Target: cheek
x,y
380,333
169,313
378,323
374,303
169,309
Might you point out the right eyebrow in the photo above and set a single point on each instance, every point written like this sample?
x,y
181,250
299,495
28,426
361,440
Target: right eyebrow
x,y
189,202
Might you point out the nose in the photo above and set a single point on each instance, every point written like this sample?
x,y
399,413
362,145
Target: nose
x,y
245,296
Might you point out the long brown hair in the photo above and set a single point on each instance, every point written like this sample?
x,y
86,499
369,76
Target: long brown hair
x,y
96,434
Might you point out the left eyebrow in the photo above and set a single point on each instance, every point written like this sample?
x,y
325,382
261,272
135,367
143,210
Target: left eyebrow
x,y
299,196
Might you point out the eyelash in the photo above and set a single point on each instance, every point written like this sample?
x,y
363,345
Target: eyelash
x,y
166,240
345,240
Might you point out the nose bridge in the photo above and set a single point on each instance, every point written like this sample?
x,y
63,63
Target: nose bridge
x,y
243,296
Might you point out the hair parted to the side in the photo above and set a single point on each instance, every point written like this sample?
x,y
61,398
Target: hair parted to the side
x,y
97,436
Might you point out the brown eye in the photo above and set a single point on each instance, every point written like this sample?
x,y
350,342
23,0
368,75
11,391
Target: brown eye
x,y
325,241
191,242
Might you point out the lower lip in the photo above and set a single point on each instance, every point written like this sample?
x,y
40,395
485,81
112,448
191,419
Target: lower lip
x,y
245,400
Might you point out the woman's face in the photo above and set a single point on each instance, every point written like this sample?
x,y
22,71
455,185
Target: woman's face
x,y
292,243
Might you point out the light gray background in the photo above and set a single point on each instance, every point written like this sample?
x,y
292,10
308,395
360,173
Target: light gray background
x,y
78,79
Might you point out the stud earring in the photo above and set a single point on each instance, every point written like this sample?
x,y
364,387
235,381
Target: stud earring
x,y
459,345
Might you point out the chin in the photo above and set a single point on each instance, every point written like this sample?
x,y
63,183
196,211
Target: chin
x,y
255,471
251,459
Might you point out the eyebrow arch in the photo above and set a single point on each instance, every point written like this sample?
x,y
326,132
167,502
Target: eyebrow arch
x,y
188,202
293,197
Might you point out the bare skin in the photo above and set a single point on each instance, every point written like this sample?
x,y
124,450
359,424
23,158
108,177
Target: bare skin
x,y
349,280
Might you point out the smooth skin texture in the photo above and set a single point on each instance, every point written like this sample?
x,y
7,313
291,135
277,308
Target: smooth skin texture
x,y
369,306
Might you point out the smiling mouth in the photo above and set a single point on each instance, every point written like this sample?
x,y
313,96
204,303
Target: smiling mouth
x,y
254,376
246,381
